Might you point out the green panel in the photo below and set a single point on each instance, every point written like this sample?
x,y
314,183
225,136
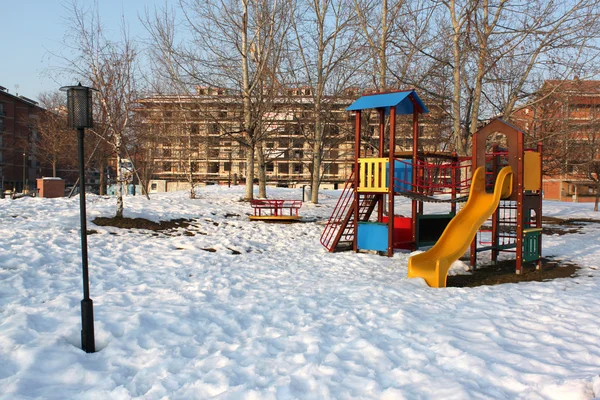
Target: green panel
x,y
531,248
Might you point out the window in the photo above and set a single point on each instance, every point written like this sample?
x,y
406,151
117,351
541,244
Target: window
x,y
166,167
166,152
270,145
213,168
213,129
195,166
1,109
227,166
154,186
297,168
270,167
194,129
213,152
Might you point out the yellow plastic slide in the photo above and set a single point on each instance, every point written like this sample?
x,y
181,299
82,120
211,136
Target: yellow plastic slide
x,y
433,265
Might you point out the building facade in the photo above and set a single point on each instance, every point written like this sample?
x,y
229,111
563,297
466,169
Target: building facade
x,y
566,119
19,167
200,136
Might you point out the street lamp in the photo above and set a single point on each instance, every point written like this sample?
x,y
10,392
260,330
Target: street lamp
x,y
79,106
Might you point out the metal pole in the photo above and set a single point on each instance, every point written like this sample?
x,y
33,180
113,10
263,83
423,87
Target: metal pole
x,y
23,189
87,306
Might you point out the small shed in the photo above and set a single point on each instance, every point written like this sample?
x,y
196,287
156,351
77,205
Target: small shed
x,y
51,187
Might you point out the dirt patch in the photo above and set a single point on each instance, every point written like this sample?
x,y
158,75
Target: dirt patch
x,y
142,223
504,272
565,226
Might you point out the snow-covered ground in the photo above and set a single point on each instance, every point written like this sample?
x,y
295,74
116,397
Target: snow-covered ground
x,y
283,319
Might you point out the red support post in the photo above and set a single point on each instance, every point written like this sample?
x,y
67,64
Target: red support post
x,y
496,214
380,204
474,151
454,165
356,179
415,163
519,178
391,182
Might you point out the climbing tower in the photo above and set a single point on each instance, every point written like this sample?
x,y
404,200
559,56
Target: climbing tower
x,y
516,225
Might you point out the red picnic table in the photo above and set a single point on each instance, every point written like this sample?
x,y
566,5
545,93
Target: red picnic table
x,y
275,210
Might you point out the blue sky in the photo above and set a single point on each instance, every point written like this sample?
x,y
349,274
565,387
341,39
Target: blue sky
x,y
33,29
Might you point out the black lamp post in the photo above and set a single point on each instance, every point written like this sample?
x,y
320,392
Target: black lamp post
x,y
79,105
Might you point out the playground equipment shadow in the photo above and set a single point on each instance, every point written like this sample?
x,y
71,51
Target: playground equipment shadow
x,y
504,272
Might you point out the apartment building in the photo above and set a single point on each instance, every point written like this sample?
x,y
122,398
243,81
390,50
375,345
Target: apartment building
x,y
566,119
200,135
19,167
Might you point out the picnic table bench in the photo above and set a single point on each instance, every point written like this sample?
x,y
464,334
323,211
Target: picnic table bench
x,y
275,209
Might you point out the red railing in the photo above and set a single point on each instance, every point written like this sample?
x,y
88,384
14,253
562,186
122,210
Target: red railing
x,y
275,208
339,213
433,178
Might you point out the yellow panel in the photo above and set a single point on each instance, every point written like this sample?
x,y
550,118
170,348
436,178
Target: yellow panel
x,y
532,170
372,175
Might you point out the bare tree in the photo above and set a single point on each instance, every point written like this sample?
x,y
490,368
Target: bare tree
x,y
566,119
109,67
325,61
497,51
234,46
55,142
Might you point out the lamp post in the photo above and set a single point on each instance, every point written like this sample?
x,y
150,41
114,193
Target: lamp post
x,y
79,105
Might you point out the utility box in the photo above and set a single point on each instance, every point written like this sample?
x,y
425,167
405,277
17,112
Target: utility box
x,y
51,187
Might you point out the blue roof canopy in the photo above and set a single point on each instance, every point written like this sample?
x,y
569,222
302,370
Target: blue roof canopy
x,y
402,101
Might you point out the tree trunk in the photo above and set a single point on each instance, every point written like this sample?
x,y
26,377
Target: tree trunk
x,y
382,47
597,199
262,174
119,213
250,174
317,160
247,109
102,188
190,170
460,145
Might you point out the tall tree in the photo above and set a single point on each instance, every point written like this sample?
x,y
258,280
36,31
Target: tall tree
x,y
109,67
55,142
325,60
230,45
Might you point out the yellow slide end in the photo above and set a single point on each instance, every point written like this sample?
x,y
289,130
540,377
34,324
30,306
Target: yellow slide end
x,y
433,265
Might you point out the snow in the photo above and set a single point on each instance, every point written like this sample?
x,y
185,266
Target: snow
x,y
187,317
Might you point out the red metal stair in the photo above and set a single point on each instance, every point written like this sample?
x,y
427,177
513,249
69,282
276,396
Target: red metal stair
x,y
338,234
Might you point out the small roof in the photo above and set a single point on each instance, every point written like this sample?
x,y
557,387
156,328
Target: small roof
x,y
402,101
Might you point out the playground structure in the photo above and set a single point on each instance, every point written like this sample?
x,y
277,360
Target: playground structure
x,y
362,218
275,210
